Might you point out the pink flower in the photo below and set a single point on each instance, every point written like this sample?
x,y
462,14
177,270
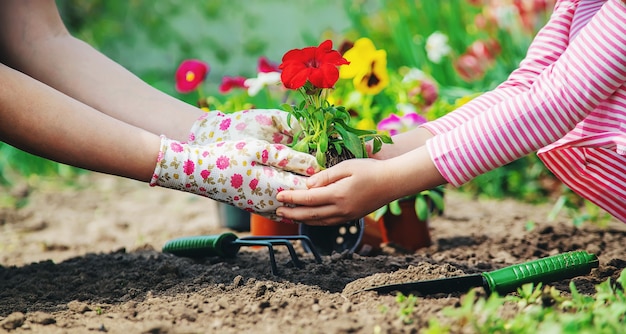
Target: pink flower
x,y
241,126
205,174
222,162
395,124
278,137
240,145
264,156
279,189
160,156
268,171
253,184
192,137
310,171
229,83
430,92
176,147
236,181
189,167
225,124
263,119
266,66
283,162
190,75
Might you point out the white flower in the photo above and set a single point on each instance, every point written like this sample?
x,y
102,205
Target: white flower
x,y
437,46
406,108
414,74
263,79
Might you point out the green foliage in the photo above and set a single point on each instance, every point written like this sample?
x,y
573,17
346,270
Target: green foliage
x,y
427,203
406,24
407,307
325,128
17,165
539,309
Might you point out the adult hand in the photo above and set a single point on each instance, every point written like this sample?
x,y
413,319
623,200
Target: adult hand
x,y
266,124
244,173
344,192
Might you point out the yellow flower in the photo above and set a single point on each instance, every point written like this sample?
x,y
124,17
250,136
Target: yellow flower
x,y
367,68
366,124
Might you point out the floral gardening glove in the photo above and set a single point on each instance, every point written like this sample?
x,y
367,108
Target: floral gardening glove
x,y
266,124
246,174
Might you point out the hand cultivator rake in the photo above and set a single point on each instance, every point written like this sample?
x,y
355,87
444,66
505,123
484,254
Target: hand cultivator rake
x,y
227,245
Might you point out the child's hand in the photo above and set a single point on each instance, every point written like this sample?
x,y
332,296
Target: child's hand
x,y
344,192
245,173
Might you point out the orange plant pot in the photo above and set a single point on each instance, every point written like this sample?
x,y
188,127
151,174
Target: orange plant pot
x,y
372,237
405,230
260,225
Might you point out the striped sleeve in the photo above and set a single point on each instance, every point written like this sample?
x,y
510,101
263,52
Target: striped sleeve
x,y
590,70
549,43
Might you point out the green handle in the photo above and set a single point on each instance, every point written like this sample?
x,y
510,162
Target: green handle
x,y
549,269
205,245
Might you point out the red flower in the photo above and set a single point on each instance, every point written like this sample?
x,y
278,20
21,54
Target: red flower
x,y
266,66
318,65
228,83
190,74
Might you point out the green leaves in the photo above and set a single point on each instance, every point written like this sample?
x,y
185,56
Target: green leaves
x,y
326,126
541,309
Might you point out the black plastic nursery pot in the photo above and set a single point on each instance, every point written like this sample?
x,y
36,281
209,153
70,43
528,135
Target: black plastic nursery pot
x,y
337,238
234,218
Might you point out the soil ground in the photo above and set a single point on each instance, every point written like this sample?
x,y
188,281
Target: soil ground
x,y
88,258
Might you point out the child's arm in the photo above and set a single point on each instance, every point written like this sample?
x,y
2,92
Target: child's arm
x,y
587,73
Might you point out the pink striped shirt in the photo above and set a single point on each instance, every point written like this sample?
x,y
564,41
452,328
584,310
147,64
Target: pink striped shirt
x,y
567,101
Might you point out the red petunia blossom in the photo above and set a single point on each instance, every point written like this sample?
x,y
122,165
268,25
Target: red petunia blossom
x,y
318,65
228,83
266,66
190,74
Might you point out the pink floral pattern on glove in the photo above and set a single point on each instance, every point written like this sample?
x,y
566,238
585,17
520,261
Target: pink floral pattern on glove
x,y
266,124
245,173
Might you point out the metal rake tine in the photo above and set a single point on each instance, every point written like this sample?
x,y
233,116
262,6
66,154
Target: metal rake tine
x,y
270,249
292,251
302,238
309,243
279,241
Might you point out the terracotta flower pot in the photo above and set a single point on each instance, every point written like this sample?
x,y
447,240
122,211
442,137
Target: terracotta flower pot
x,y
405,230
372,237
260,225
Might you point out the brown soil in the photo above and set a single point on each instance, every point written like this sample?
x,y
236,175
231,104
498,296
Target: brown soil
x,y
88,259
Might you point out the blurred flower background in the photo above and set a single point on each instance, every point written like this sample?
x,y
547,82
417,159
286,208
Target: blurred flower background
x,y
411,61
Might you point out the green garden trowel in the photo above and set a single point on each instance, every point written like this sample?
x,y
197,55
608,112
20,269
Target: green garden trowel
x,y
509,279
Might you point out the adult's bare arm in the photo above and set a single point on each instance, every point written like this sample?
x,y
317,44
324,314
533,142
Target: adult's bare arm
x,y
34,40
42,121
